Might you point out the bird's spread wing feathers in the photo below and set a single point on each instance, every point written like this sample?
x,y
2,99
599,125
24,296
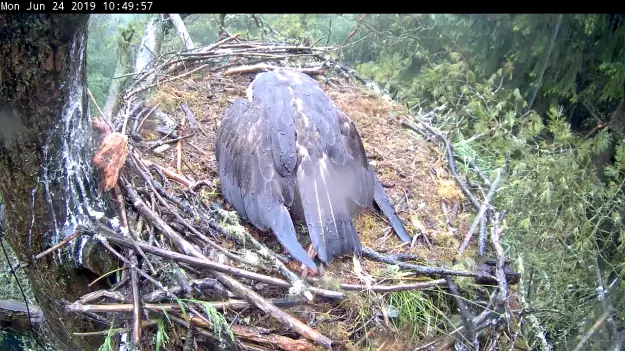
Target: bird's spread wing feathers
x,y
249,178
289,146
332,175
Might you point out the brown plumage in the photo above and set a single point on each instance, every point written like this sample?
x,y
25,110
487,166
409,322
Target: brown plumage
x,y
288,150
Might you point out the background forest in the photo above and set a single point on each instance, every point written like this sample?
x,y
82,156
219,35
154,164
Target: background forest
x,y
541,95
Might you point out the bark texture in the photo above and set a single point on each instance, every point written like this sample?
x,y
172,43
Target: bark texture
x,y
39,55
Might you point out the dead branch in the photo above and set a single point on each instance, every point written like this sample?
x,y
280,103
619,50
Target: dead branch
x,y
227,281
501,261
465,314
210,264
374,255
480,215
356,26
265,67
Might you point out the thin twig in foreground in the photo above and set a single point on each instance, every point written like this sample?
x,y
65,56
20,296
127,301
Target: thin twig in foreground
x,y
480,214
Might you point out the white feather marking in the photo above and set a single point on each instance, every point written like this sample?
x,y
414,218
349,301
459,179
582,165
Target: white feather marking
x,y
250,92
323,167
323,234
300,108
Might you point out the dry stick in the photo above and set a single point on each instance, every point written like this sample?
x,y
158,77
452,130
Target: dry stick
x,y
179,146
226,280
212,265
190,116
136,303
391,288
146,117
481,213
59,245
450,160
106,119
218,305
261,249
374,255
274,341
477,169
501,260
592,330
158,191
482,240
155,144
266,67
144,324
131,234
215,266
198,284
465,314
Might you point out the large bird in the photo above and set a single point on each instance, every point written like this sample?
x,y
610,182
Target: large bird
x,y
288,150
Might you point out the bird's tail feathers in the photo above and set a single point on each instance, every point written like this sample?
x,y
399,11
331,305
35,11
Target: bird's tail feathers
x,y
327,212
385,205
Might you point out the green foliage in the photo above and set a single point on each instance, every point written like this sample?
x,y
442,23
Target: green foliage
x,y
559,217
418,311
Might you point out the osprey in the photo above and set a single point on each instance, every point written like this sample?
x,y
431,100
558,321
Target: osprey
x,y
288,150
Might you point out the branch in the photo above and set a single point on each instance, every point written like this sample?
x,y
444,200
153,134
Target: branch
x,y
182,31
480,215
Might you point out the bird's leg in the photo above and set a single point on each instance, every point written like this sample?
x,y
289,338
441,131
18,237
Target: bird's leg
x,y
303,268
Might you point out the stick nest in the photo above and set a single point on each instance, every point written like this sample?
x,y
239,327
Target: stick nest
x,y
235,282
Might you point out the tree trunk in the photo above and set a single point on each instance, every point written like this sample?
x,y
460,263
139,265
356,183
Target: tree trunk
x,y
182,31
150,44
46,176
111,108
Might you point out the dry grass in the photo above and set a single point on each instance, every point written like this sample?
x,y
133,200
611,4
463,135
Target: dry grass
x,y
413,170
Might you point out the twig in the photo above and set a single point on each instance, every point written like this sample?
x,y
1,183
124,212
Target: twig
x,y
592,330
485,206
391,288
190,116
501,260
145,117
57,246
106,119
210,264
266,67
136,303
374,255
227,281
179,146
356,26
465,314
482,241
218,305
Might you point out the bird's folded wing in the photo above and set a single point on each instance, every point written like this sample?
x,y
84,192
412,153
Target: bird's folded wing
x,y
250,176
